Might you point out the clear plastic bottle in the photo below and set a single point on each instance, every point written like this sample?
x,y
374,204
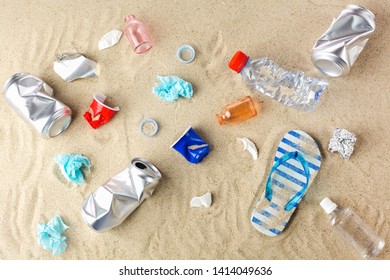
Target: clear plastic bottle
x,y
353,230
291,88
238,111
137,34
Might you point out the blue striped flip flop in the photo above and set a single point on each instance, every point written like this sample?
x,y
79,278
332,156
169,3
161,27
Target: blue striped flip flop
x,y
296,164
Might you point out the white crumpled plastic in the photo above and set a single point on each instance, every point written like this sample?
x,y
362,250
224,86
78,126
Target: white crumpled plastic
x,y
201,201
110,39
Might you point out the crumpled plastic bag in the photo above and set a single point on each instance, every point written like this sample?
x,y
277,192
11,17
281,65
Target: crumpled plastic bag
x,y
71,165
171,88
50,235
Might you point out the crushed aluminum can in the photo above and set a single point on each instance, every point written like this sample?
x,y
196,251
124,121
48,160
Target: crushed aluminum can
x,y
343,142
115,200
75,66
337,49
33,99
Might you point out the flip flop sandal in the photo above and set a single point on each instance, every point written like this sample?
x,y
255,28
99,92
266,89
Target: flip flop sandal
x,y
296,164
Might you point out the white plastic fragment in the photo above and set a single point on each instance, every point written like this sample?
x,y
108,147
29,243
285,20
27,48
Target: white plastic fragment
x,y
250,147
73,66
201,201
110,39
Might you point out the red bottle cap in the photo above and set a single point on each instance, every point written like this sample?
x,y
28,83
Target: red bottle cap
x,y
238,61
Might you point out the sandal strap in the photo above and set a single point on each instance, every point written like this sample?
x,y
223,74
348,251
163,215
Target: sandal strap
x,y
294,201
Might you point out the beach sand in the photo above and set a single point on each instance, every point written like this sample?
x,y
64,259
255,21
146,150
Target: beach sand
x,y
33,190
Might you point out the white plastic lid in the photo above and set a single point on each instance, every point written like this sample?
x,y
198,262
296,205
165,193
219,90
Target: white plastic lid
x,y
328,205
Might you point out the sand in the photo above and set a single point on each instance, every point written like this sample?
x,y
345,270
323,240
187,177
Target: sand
x,y
33,33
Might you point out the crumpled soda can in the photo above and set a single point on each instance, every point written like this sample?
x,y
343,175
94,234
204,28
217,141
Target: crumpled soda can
x,y
115,200
99,113
343,142
337,49
193,148
34,101
72,66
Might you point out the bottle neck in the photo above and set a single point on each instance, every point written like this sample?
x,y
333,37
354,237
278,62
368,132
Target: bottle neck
x,y
245,66
335,212
223,117
129,18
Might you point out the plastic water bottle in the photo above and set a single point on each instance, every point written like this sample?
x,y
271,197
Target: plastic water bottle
x,y
291,88
353,230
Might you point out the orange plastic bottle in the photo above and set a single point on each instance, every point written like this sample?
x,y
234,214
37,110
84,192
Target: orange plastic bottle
x,y
238,111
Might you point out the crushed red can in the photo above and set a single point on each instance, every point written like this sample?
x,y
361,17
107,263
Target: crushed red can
x,y
99,113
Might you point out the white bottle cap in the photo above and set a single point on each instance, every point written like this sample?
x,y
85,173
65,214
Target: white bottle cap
x,y
328,205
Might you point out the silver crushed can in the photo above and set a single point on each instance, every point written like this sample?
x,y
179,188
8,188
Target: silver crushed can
x,y
111,203
33,99
337,49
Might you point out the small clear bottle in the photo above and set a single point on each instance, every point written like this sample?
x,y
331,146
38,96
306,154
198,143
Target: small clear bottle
x,y
137,34
238,111
353,230
291,88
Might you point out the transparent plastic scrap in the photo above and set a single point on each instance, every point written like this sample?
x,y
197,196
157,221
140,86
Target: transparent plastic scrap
x,y
291,88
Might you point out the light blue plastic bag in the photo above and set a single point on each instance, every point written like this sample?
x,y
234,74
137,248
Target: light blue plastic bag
x,y
71,165
170,88
50,235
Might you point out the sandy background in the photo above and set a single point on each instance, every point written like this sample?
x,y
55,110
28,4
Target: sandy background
x,y
164,227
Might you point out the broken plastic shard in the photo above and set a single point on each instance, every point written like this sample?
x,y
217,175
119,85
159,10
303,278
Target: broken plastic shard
x,y
343,142
75,66
50,235
202,201
250,147
110,39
